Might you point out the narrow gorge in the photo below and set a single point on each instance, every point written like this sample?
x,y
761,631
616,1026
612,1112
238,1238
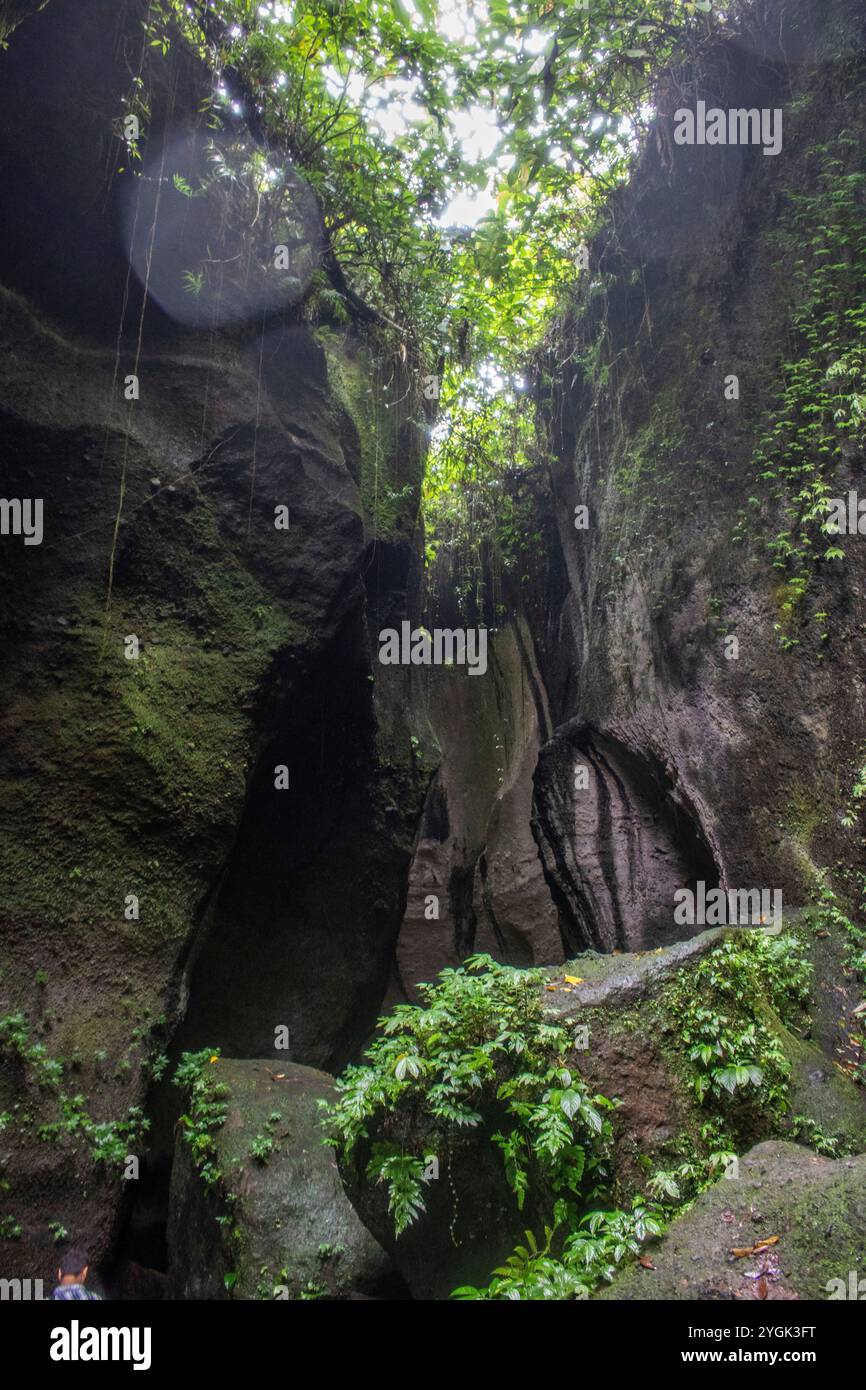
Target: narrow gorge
x,y
325,977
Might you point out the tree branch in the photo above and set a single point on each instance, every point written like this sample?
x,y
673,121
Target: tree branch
x,y
238,88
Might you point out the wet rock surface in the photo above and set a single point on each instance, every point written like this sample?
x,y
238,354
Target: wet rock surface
x,y
147,767
259,907
297,1234
798,1221
475,863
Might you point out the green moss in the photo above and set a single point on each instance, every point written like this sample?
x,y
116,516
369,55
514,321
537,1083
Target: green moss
x,y
380,401
801,819
820,393
167,736
651,453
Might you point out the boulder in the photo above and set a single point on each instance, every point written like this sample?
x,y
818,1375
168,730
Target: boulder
x,y
290,1231
807,1214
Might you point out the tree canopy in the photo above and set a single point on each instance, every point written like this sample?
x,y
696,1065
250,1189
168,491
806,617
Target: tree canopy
x,y
452,156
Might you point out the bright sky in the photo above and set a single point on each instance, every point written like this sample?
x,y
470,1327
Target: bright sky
x,y
392,104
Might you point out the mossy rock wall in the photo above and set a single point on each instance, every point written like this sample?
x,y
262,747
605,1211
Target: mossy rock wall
x,y
167,648
708,267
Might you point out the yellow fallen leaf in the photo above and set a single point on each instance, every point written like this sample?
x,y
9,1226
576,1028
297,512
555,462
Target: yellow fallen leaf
x,y
743,1250
574,979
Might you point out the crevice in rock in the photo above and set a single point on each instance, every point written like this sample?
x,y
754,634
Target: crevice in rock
x,y
487,903
302,928
461,889
299,927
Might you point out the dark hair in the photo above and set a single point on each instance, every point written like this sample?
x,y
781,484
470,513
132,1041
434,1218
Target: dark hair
x,y
74,1260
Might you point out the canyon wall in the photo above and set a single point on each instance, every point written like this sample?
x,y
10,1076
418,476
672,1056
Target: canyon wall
x,y
167,647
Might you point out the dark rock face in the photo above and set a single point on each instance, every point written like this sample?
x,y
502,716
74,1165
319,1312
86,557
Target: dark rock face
x,y
62,238
615,843
475,864
154,776
298,1233
704,760
815,1207
471,1223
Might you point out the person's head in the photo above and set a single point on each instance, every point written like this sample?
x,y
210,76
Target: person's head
x,y
74,1265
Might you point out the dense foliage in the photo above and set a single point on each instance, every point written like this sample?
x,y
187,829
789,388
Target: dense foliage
x,y
735,1053
372,105
820,412
590,1256
434,169
484,1042
484,1052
